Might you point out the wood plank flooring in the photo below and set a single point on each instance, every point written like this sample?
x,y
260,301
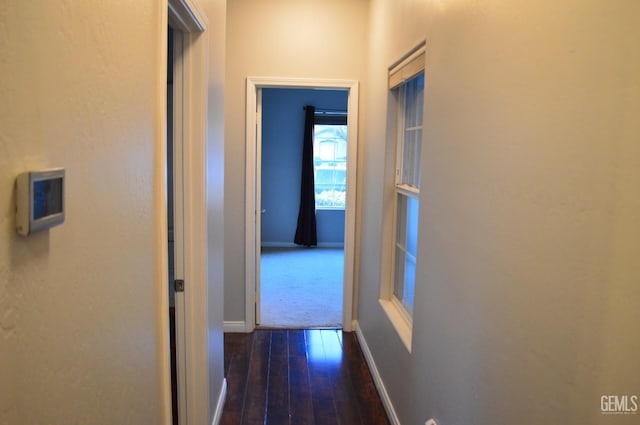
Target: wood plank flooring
x,y
299,377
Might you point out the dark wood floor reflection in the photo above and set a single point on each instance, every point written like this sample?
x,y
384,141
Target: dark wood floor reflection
x,y
298,377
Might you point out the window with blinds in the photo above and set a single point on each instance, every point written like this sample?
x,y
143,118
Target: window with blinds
x,y
407,87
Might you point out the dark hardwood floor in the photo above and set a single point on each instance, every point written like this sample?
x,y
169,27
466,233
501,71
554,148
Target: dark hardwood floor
x,y
299,377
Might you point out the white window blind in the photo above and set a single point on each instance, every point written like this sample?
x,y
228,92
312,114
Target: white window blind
x,y
408,67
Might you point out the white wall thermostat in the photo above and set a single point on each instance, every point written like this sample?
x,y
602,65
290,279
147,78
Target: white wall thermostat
x,y
40,200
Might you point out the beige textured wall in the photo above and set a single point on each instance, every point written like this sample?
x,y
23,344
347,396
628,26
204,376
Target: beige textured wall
x,y
527,291
216,35
281,38
80,305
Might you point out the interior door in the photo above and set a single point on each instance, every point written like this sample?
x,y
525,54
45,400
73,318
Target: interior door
x,y
178,178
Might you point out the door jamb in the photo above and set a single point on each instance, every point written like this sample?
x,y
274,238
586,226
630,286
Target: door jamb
x,y
252,213
186,17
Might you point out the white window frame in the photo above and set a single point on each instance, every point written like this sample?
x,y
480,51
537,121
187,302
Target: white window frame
x,y
410,66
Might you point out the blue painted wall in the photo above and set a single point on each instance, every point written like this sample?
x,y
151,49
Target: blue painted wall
x,y
282,132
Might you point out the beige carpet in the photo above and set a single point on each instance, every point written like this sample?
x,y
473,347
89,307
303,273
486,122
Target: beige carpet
x,y
301,287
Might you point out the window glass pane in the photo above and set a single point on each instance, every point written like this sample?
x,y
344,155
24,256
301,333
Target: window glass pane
x,y
412,106
409,282
415,100
398,275
401,221
330,165
406,249
407,223
412,225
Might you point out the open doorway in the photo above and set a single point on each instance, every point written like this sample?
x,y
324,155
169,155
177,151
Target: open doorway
x,y
302,287
255,91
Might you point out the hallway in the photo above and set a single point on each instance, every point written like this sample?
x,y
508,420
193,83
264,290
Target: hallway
x,y
299,377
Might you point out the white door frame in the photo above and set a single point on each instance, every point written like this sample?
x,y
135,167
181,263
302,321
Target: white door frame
x,y
190,112
252,195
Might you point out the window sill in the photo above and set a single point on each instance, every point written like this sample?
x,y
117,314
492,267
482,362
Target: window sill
x,y
330,208
399,321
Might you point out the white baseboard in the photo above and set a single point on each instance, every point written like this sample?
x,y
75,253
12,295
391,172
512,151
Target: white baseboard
x,y
384,396
292,245
278,245
220,405
331,245
235,326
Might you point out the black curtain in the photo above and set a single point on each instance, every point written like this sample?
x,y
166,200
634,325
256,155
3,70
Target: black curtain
x,y
306,231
